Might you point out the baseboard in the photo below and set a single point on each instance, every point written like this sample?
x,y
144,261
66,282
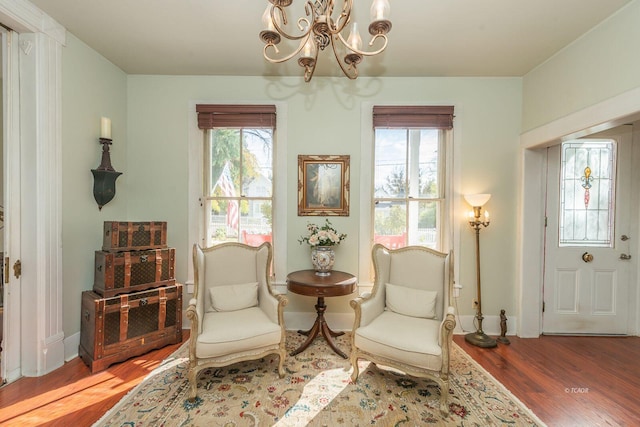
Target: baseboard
x,y
71,344
490,325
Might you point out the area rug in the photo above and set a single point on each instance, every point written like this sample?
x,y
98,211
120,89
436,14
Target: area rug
x,y
316,391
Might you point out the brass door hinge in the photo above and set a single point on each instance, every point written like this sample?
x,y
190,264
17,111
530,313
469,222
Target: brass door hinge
x,y
17,269
6,269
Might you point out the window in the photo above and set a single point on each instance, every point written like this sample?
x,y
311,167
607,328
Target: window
x,y
587,184
238,169
408,176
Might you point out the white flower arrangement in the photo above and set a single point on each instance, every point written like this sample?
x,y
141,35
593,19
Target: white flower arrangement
x,y
324,235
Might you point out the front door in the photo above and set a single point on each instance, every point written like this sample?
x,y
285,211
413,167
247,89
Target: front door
x,y
587,258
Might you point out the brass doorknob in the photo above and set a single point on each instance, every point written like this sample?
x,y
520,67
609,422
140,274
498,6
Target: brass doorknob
x,y
587,257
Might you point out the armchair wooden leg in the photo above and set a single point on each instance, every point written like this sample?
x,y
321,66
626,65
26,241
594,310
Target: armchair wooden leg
x,y
193,384
281,364
354,364
444,398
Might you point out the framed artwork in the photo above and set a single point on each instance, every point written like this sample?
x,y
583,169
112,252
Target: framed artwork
x,y
323,185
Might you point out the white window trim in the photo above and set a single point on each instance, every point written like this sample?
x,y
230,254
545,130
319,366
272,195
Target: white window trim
x,y
452,215
196,170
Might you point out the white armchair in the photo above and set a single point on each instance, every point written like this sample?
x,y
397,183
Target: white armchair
x,y
234,314
407,322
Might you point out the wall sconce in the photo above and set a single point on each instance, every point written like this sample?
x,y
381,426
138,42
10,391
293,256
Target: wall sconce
x,y
104,177
476,221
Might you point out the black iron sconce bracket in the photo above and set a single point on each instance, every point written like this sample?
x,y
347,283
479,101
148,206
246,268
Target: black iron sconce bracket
x,y
104,177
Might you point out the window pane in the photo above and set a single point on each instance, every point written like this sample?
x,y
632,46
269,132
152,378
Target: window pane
x,y
408,191
255,222
257,163
587,193
224,162
424,224
426,147
239,156
390,163
222,221
390,224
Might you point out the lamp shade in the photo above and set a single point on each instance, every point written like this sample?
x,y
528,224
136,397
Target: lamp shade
x,y
477,200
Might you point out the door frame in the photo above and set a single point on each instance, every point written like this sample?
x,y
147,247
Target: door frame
x,y
35,346
616,111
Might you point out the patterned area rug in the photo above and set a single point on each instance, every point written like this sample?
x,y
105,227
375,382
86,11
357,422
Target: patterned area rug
x,y
316,391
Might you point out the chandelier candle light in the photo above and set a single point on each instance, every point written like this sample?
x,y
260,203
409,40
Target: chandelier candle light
x,y
321,28
478,338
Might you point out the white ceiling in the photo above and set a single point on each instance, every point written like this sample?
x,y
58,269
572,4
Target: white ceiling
x,y
428,38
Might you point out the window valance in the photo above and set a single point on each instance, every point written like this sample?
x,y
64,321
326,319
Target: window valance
x,y
235,116
419,116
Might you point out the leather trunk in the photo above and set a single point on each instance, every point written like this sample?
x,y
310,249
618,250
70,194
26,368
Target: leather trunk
x,y
134,236
118,328
123,272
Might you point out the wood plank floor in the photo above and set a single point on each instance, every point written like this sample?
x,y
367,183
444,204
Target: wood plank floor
x,y
71,395
566,381
569,381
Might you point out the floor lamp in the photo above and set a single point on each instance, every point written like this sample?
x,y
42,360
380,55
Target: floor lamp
x,y
478,338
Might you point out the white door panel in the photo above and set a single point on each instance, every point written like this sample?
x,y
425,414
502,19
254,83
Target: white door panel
x,y
586,285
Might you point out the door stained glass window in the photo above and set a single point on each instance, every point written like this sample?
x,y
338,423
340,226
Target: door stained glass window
x,y
587,193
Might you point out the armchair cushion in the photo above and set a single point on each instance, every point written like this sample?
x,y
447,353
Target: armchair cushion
x,y
228,332
411,302
405,339
234,297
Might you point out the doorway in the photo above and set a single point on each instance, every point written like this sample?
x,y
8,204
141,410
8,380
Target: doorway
x,y
588,262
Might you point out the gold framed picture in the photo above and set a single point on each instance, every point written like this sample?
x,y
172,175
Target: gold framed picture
x,y
323,185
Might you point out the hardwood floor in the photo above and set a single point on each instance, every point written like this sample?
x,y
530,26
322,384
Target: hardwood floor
x,y
71,395
569,381
565,381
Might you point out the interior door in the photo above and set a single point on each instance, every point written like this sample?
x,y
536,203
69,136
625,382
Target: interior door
x,y
587,259
10,362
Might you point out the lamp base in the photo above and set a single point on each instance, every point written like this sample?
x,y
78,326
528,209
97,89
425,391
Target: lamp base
x,y
480,339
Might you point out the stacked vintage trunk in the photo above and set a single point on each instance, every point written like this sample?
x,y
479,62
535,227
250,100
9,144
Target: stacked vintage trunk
x,y
136,304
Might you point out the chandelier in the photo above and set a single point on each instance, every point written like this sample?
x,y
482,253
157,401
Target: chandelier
x,y
321,28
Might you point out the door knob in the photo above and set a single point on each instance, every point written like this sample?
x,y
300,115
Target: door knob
x,y
624,237
587,257
625,256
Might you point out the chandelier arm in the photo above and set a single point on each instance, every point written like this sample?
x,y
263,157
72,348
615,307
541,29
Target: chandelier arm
x,y
303,24
362,52
345,17
285,58
354,73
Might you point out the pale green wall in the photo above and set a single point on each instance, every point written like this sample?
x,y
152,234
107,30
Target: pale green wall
x,y
603,63
92,87
324,117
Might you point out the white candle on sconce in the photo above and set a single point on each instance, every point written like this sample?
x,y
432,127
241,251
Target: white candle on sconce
x,y
105,128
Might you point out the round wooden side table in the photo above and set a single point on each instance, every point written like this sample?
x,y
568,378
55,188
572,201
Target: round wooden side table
x,y
308,283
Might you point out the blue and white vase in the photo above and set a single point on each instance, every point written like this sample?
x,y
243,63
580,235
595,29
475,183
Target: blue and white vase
x,y
322,258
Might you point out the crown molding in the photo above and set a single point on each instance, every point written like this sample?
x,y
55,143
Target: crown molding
x,y
24,16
